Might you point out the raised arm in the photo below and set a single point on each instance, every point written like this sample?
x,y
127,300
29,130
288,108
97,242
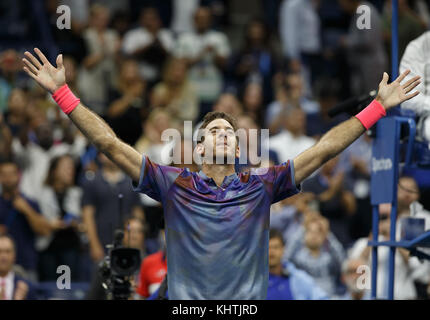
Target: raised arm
x,y
91,125
340,137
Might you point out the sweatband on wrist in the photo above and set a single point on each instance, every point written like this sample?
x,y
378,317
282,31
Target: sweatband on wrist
x,y
65,98
371,114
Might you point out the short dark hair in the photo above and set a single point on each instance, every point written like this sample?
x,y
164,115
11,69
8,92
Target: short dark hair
x,y
276,234
213,115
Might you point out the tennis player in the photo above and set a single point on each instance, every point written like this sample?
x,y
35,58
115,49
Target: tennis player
x,y
216,220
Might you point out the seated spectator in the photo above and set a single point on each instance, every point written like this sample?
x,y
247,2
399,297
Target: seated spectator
x,y
286,282
59,201
127,101
351,278
20,217
12,286
175,93
206,52
152,272
318,253
336,202
292,135
98,71
150,44
405,265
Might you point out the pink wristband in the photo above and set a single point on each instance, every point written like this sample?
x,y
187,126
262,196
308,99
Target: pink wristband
x,y
65,98
371,114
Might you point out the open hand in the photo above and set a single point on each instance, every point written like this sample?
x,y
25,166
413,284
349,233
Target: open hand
x,y
46,75
390,95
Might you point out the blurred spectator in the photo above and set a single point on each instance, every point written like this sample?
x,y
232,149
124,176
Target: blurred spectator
x,y
255,61
15,115
405,265
182,15
69,42
351,278
21,218
206,52
101,207
286,282
127,103
150,143
292,135
59,201
416,59
98,71
253,102
12,286
300,35
318,253
5,140
365,49
228,103
175,93
355,161
337,203
152,272
10,67
288,215
36,155
410,26
149,43
408,193
290,92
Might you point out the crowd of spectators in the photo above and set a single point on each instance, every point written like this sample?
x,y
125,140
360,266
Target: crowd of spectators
x,y
147,66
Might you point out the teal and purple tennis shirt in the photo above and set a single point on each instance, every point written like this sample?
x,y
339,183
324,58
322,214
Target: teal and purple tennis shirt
x,y
217,236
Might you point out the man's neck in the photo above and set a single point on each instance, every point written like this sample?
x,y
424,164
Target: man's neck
x,y
218,171
276,270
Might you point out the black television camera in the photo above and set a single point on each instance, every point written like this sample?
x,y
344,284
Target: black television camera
x,y
118,267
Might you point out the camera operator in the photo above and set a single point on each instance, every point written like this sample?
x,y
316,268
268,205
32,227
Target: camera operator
x,y
134,237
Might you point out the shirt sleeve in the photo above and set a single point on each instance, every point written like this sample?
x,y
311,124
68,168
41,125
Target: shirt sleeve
x,y
279,180
155,180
